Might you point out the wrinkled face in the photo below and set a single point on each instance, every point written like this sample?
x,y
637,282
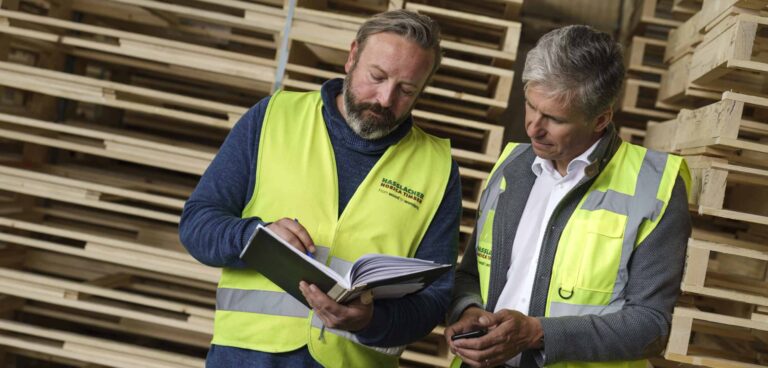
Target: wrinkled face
x,y
559,132
382,83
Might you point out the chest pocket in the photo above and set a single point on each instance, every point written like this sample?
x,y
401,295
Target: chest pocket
x,y
601,247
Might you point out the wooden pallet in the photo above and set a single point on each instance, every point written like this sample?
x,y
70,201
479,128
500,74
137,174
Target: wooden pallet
x,y
99,296
646,57
123,145
719,265
725,190
733,125
639,98
716,340
87,349
97,246
715,11
259,71
119,95
732,56
85,193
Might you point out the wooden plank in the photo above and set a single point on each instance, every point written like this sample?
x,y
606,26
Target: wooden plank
x,y
88,349
729,59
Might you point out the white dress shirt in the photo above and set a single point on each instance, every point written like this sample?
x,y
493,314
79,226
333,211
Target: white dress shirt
x,y
548,190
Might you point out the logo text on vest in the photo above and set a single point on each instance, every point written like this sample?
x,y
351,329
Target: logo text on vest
x,y
401,192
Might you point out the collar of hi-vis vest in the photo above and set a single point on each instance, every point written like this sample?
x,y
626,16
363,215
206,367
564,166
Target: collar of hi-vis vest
x,y
603,152
340,131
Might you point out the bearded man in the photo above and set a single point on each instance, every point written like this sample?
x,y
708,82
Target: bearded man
x,y
323,170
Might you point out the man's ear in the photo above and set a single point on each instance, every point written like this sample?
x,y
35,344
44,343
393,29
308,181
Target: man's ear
x,y
603,120
351,57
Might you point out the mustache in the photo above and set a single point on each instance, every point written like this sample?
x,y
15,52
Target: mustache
x,y
376,108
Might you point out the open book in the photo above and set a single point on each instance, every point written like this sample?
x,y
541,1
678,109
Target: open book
x,y
387,276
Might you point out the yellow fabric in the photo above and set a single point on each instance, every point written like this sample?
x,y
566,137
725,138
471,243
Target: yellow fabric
x,y
296,178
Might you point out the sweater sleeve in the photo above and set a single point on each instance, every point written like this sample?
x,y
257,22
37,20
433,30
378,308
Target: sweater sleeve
x,y
640,329
402,321
211,227
466,292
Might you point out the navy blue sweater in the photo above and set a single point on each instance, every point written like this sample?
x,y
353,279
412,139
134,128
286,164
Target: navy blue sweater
x,y
213,232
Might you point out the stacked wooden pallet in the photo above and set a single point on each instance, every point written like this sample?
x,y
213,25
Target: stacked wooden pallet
x,y
723,134
110,110
645,38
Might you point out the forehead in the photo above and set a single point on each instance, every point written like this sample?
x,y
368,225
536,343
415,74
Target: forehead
x,y
544,100
396,53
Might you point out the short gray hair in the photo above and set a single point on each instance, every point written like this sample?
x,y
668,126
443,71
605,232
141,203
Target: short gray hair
x,y
577,64
415,27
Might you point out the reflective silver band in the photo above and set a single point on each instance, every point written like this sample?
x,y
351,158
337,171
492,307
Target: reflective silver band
x,y
557,309
394,351
260,301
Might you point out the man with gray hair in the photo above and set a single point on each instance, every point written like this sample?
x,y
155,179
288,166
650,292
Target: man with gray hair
x,y
579,247
329,172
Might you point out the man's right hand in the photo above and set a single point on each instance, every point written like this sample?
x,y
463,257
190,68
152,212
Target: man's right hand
x,y
469,321
295,234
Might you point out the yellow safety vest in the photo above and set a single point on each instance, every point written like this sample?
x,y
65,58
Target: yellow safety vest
x,y
621,208
296,178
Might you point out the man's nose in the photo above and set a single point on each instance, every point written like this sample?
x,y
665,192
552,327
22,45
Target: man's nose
x,y
386,96
535,125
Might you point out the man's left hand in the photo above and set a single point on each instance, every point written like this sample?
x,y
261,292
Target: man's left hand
x,y
509,333
353,316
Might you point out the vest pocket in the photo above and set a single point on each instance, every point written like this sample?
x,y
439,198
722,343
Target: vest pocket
x,y
601,248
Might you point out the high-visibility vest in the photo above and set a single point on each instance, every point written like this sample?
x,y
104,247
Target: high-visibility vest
x,y
621,208
296,178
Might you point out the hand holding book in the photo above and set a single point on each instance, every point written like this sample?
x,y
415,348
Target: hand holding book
x,y
386,276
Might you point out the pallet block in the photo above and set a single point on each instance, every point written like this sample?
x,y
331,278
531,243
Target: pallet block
x,y
725,190
733,56
675,88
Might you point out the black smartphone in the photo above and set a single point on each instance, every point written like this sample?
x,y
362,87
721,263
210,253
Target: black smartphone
x,y
469,335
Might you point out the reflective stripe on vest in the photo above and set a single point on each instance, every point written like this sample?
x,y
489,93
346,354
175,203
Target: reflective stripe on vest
x,y
608,220
296,178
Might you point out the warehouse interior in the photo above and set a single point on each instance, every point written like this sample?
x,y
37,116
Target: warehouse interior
x,y
111,110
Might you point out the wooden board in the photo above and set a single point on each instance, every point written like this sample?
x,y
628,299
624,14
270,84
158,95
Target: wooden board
x,y
727,190
639,98
736,123
732,56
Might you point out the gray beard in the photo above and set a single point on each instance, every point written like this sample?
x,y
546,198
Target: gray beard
x,y
371,126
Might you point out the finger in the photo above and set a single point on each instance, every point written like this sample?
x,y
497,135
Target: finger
x,y
286,234
469,357
301,233
367,297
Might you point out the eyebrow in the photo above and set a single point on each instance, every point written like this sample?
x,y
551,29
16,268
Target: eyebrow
x,y
409,83
553,117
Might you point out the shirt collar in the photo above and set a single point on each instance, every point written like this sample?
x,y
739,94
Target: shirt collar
x,y
540,165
